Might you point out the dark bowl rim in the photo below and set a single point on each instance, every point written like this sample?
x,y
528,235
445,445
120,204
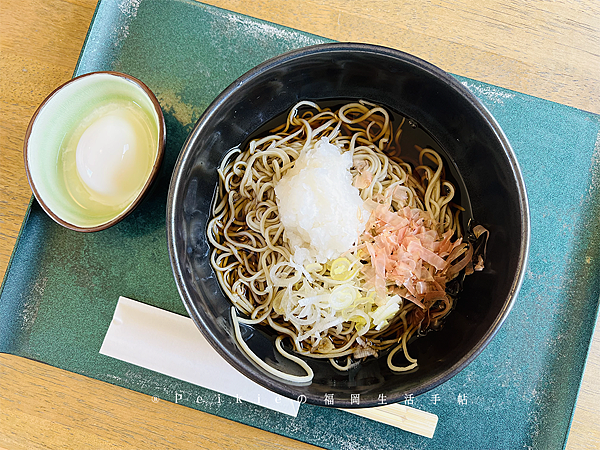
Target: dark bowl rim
x,y
337,47
162,139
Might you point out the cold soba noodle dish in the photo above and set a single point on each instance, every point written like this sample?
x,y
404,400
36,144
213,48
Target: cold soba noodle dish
x,y
321,231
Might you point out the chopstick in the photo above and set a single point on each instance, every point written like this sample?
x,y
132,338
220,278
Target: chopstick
x,y
404,417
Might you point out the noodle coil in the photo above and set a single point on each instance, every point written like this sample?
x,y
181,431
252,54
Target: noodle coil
x,y
386,288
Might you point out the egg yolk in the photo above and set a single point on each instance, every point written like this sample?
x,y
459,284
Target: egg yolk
x,y
110,157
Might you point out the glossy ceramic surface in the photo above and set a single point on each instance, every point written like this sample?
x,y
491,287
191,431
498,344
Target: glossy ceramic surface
x,y
443,107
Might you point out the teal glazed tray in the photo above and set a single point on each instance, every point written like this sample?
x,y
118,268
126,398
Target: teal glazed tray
x,y
61,288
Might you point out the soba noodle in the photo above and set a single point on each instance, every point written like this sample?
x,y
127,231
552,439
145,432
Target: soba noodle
x,y
341,310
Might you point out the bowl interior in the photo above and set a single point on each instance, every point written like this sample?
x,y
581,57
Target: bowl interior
x,y
474,144
55,130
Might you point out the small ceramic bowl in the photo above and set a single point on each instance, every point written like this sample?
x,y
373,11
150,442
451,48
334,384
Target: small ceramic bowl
x,y
93,148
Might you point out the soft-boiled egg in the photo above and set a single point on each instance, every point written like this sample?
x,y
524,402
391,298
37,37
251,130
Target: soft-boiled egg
x,y
108,158
111,155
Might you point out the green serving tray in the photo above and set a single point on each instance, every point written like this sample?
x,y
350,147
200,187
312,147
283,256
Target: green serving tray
x,y
61,288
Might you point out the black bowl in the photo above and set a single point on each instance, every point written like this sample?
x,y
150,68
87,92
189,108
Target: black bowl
x,y
473,142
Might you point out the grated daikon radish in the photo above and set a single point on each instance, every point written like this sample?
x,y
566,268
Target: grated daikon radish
x,y
321,211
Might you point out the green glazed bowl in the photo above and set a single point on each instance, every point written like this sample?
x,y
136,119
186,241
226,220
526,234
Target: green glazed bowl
x,y
93,148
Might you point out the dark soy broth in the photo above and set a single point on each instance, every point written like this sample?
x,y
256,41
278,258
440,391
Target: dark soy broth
x,y
413,134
